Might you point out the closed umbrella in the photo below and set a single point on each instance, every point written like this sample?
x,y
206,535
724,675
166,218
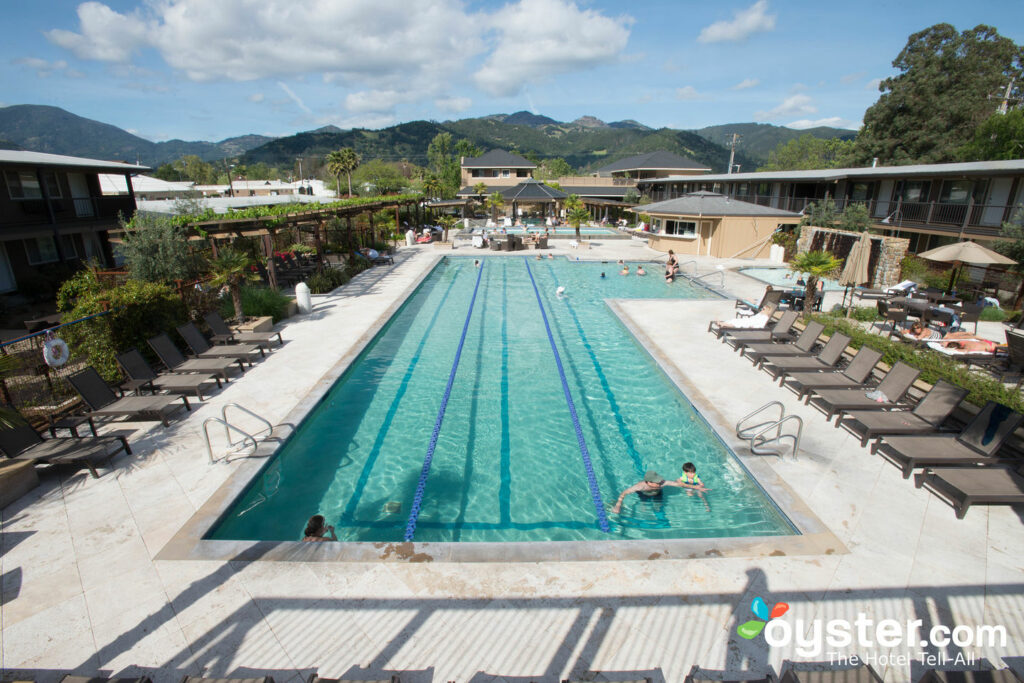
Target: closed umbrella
x,y
960,253
855,272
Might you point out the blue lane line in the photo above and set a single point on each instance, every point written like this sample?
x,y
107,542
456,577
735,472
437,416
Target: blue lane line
x,y
417,500
505,467
595,492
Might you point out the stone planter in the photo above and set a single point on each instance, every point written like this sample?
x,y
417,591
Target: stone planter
x,y
293,309
262,324
16,479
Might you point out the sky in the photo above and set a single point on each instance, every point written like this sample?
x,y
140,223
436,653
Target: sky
x,y
212,69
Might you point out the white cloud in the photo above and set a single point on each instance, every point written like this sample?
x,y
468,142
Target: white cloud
x,y
850,78
106,35
294,98
44,68
746,83
688,93
744,24
541,38
455,104
833,121
794,105
256,98
873,84
374,101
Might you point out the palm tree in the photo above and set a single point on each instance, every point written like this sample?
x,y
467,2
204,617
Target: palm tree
x,y
577,215
447,222
815,264
344,160
432,186
495,202
480,189
232,268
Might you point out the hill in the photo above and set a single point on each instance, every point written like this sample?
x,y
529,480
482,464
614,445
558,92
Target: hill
x,y
761,138
53,130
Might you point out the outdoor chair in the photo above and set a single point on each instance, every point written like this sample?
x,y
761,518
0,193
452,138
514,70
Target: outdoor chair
x,y
803,344
22,442
198,679
862,293
781,330
1015,353
892,388
202,348
142,376
698,674
897,318
222,334
977,443
963,487
542,243
283,277
927,416
855,375
773,297
313,678
826,359
860,674
102,401
971,314
171,357
495,244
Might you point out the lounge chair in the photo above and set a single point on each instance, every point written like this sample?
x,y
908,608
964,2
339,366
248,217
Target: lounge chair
x,y
102,401
198,679
781,330
22,442
866,293
977,443
141,376
861,674
313,678
803,344
987,676
222,334
998,356
171,357
963,487
203,349
826,359
855,374
927,416
770,298
893,386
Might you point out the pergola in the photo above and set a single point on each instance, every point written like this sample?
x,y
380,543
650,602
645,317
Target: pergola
x,y
266,227
532,191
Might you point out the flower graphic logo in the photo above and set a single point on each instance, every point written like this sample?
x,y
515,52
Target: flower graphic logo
x,y
750,629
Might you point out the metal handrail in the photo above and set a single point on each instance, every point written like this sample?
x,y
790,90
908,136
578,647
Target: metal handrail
x,y
227,429
224,419
720,273
757,442
745,432
683,265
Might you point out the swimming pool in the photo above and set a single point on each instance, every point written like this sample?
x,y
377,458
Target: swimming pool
x,y
507,464
777,277
554,232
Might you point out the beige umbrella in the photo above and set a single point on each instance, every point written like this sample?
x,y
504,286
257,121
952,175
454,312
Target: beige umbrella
x,y
960,253
855,272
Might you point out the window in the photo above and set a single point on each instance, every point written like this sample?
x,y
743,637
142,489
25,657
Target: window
x,y
43,249
914,191
25,184
859,192
476,173
960,191
522,173
505,173
681,228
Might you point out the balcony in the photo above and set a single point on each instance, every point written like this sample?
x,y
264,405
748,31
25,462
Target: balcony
x,y
105,209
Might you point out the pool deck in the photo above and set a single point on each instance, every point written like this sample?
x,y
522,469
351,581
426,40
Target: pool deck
x,y
83,591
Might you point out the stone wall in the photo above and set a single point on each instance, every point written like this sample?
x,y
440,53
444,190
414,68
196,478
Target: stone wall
x,y
886,252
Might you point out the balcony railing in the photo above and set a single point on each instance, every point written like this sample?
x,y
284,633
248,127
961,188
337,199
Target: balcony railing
x,y
30,211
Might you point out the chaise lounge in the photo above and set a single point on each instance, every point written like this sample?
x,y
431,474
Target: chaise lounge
x,y
893,388
203,349
142,376
855,375
826,359
222,334
103,403
171,357
927,416
22,442
963,487
803,345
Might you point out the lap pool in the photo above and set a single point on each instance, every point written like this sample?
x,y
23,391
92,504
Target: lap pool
x,y
509,461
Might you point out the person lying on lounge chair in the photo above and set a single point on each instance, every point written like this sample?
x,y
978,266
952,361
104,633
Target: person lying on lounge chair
x,y
921,333
970,345
749,322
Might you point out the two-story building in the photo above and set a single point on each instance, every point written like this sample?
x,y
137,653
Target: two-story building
x,y
495,168
660,164
931,204
53,211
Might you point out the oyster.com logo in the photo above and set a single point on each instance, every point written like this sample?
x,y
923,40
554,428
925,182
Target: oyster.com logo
x,y
750,629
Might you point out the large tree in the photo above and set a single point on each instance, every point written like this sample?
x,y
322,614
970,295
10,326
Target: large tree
x,y
1012,246
384,177
344,160
941,94
808,152
1000,136
441,154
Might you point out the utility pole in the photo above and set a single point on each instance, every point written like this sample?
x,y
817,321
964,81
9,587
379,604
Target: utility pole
x,y
1004,105
734,139
301,177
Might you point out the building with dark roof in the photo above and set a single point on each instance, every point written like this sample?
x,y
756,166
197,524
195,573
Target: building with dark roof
x,y
496,167
712,224
930,204
53,214
660,164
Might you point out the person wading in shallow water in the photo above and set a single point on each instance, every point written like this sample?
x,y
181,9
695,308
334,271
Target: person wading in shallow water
x,y
317,530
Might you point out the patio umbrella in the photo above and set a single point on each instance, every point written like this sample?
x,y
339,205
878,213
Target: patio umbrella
x,y
855,272
960,253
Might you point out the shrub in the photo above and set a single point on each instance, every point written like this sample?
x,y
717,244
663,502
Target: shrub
x,y
993,314
138,310
325,280
933,365
257,302
865,314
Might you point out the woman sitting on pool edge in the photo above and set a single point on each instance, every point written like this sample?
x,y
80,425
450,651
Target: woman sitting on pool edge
x,y
317,530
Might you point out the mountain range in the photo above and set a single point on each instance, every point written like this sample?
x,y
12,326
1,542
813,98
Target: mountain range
x,y
586,143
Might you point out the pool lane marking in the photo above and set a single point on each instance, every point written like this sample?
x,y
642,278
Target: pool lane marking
x,y
595,492
505,452
417,500
389,417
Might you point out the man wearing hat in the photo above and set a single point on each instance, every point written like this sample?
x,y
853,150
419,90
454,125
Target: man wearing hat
x,y
650,487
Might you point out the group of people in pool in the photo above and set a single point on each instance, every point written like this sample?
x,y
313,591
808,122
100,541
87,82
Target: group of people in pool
x,y
671,266
653,485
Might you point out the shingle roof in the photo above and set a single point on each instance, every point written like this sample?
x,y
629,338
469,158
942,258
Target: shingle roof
x,y
660,160
10,156
498,158
530,190
598,190
710,204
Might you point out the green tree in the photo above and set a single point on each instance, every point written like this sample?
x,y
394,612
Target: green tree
x,y
465,148
821,214
495,203
156,250
192,168
632,196
940,95
1012,246
344,160
1000,136
432,186
232,268
382,176
814,265
441,154
855,218
447,222
576,216
807,152
168,172
551,169
573,201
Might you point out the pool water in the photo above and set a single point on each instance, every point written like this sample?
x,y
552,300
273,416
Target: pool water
x,y
777,277
507,464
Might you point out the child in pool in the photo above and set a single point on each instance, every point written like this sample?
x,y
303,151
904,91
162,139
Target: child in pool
x,y
690,480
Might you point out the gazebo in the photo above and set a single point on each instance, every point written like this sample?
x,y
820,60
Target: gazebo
x,y
532,191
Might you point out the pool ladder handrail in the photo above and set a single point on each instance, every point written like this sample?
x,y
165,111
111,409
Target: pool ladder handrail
x,y
686,263
228,427
719,271
755,433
